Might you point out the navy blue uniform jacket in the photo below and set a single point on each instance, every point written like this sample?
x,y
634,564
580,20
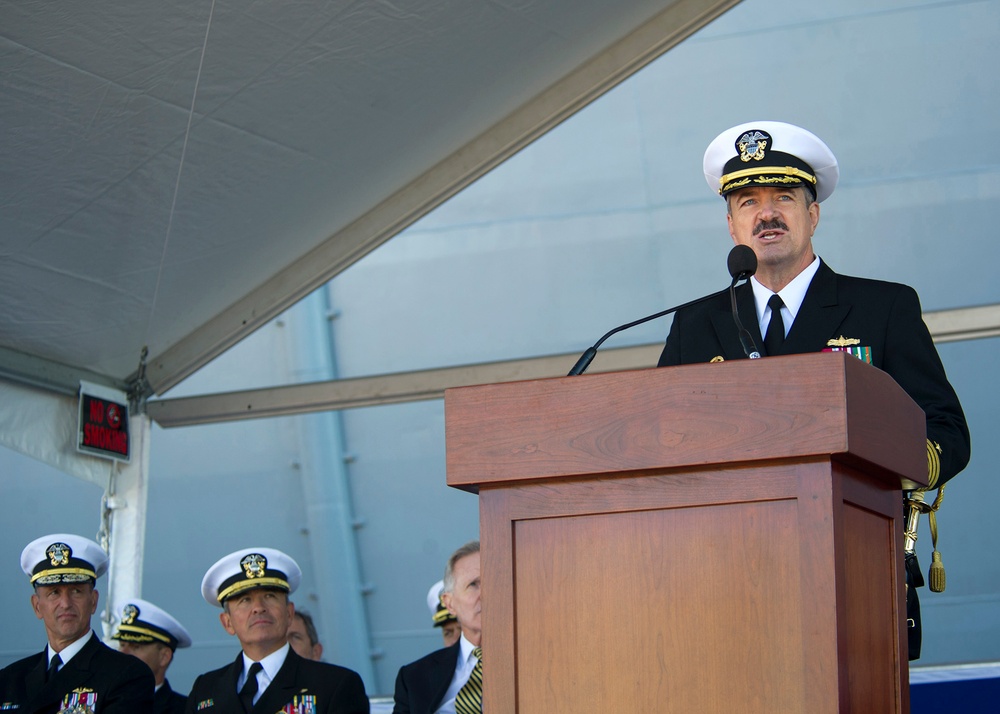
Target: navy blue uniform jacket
x,y
167,701
123,684
884,316
337,690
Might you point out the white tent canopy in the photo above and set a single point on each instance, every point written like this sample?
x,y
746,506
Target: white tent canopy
x,y
177,174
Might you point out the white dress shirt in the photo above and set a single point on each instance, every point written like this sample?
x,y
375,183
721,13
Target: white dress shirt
x,y
271,664
69,651
792,295
463,670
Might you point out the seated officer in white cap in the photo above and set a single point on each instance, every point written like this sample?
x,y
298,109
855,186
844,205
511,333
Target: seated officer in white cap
x,y
773,177
252,588
441,617
153,635
76,672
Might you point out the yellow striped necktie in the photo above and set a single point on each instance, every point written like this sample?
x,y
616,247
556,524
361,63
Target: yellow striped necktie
x,y
469,699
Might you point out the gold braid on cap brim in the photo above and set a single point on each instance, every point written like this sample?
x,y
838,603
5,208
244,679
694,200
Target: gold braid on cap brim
x,y
131,633
764,175
250,584
442,616
61,572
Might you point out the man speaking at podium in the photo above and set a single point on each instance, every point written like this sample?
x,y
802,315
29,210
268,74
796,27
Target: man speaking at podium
x,y
773,177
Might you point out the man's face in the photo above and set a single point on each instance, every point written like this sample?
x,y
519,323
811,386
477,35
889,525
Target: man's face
x,y
259,618
65,609
778,223
298,638
450,631
463,602
156,655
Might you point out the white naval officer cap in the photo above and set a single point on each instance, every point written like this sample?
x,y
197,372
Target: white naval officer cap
x,y
63,558
770,153
434,597
143,622
439,613
248,569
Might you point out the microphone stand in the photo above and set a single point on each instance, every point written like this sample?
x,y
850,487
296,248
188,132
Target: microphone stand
x,y
588,356
746,340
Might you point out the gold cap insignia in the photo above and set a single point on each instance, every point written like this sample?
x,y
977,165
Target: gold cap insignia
x,y
254,565
752,145
59,554
843,342
717,358
129,613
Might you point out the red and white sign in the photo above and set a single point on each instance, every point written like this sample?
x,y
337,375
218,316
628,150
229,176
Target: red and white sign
x,y
103,422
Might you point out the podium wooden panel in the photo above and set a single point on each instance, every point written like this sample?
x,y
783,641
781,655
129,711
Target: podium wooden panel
x,y
709,538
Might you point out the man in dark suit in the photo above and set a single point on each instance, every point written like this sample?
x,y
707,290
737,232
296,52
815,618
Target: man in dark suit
x,y
76,671
773,177
445,680
153,635
252,588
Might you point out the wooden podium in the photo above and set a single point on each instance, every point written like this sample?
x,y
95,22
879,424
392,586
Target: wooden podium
x,y
708,538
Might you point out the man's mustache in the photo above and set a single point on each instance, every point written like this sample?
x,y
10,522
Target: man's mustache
x,y
771,225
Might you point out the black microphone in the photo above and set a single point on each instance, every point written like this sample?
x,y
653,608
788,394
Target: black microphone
x,y
742,264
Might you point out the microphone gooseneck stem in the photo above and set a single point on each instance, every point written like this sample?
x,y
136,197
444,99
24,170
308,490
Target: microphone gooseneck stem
x,y
587,357
742,263
746,340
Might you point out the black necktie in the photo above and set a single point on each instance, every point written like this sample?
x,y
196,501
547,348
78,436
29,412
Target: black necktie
x,y
776,328
54,666
250,688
